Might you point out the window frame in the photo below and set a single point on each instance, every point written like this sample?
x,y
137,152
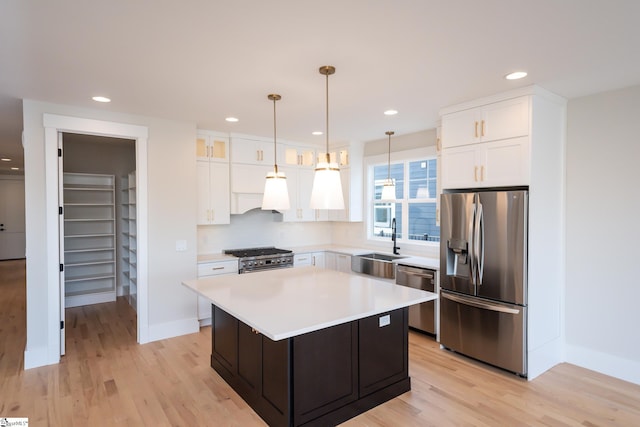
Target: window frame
x,y
405,157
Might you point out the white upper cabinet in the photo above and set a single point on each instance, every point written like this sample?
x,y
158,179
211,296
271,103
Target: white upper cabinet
x,y
252,151
350,161
290,155
210,146
487,145
492,122
492,164
212,171
299,184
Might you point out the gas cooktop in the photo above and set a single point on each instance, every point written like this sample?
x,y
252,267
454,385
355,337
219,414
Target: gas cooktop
x,y
256,259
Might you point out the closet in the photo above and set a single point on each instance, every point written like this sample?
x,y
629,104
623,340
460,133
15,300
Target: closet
x,y
98,219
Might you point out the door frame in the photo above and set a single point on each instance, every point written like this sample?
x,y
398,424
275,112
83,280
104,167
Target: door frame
x,y
55,124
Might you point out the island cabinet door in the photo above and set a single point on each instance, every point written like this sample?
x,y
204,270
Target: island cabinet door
x,y
325,371
224,339
384,358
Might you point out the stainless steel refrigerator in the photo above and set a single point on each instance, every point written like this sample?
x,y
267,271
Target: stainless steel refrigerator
x,y
483,276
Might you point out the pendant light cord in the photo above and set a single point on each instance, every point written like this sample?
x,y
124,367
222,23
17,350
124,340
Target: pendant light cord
x,y
275,156
327,120
389,160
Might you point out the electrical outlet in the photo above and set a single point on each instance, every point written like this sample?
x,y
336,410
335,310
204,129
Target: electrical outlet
x,y
384,321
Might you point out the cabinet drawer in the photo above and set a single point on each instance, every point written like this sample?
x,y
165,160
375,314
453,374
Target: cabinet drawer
x,y
218,267
300,260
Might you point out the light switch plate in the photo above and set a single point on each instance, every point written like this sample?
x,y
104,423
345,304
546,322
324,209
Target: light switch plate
x,y
384,320
181,245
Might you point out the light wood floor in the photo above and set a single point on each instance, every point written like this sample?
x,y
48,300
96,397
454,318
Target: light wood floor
x,y
108,379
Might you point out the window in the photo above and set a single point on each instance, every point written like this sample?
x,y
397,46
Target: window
x,y
414,209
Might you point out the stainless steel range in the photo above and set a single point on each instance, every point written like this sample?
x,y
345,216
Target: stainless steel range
x,y
258,259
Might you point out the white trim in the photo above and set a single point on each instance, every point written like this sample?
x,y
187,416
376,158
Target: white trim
x,y
173,329
36,357
624,369
54,124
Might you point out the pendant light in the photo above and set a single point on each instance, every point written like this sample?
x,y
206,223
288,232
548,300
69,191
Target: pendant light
x,y
389,185
327,188
276,194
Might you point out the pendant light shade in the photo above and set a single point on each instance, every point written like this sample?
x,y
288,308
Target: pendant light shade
x,y
389,185
327,188
276,194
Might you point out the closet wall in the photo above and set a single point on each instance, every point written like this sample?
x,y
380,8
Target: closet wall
x,y
88,154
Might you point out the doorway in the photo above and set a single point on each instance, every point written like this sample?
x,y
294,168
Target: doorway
x,y
12,232
98,221
55,127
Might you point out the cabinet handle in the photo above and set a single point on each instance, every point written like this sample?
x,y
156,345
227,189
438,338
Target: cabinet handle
x,y
313,260
438,144
257,155
481,173
475,173
482,129
475,132
217,268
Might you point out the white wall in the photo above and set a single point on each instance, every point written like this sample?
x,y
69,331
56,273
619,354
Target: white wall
x,y
172,216
602,233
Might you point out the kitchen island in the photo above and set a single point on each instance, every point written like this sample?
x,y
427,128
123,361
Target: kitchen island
x,y
310,346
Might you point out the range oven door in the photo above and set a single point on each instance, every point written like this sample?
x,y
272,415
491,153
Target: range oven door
x,y
492,332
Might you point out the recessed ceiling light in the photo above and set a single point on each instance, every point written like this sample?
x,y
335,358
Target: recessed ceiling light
x,y
101,99
5,159
231,119
391,112
316,132
516,75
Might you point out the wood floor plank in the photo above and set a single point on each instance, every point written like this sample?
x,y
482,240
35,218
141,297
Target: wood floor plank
x,y
107,379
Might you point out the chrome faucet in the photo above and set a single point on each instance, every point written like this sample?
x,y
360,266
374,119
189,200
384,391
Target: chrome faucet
x,y
393,236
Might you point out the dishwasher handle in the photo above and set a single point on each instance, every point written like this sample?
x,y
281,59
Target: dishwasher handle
x,y
416,272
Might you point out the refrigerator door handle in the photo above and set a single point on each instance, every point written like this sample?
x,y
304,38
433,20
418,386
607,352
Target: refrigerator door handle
x,y
472,254
479,304
479,242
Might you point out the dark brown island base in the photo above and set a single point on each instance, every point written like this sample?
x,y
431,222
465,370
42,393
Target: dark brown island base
x,y
320,378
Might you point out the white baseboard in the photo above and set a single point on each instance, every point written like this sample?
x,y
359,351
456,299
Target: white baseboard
x,y
36,357
205,322
544,358
614,366
173,329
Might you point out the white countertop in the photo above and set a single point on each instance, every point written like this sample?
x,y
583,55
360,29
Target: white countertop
x,y
283,303
416,261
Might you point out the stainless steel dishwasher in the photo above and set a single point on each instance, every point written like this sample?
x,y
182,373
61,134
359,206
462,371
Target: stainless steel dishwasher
x,y
421,316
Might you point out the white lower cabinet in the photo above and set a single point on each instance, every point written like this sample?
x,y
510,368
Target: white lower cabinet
x,y
337,261
212,268
315,259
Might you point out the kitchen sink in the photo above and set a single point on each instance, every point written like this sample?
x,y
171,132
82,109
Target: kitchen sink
x,y
375,264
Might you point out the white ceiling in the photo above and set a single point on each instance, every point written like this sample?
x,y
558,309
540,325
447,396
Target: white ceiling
x,y
204,60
